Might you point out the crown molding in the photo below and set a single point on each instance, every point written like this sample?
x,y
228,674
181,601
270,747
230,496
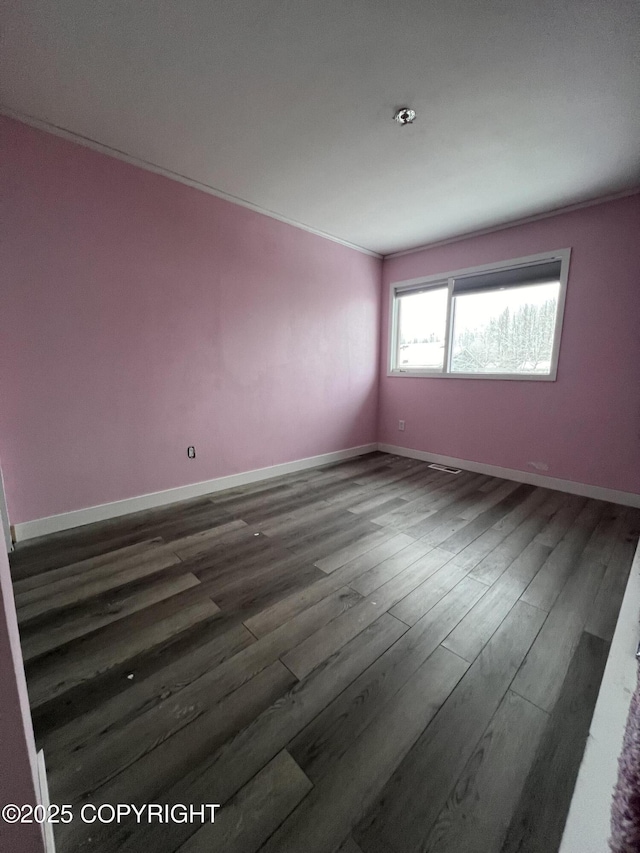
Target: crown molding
x,y
88,142
148,166
556,211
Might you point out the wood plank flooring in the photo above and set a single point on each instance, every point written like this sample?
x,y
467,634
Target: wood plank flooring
x,y
369,657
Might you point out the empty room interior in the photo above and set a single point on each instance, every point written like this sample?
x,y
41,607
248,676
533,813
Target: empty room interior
x,y
320,426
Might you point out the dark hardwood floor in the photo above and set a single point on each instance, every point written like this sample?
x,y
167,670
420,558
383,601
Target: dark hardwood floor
x,y
370,656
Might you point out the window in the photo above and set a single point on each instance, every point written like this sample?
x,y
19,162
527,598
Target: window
x,y
500,321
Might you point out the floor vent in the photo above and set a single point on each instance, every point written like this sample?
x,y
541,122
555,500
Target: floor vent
x,y
445,468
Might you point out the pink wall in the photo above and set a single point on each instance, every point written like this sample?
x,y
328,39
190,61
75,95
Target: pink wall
x,y
141,316
586,425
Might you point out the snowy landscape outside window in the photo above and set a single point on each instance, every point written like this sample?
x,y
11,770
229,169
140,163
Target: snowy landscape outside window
x,y
499,322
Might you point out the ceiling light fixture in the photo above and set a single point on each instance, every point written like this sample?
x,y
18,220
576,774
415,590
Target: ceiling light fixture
x,y
405,115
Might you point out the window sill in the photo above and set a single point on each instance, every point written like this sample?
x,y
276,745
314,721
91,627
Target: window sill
x,y
431,374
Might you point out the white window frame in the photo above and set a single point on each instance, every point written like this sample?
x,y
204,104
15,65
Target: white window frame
x,y
447,280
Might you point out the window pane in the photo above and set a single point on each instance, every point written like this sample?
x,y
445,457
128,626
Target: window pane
x,y
505,331
422,319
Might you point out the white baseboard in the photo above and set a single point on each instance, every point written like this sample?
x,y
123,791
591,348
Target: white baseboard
x,y
583,489
79,517
47,828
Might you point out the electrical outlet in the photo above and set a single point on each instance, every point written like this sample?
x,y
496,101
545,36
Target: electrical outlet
x,y
401,426
191,452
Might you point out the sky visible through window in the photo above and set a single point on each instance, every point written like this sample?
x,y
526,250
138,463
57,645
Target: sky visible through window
x,y
475,310
484,335
423,315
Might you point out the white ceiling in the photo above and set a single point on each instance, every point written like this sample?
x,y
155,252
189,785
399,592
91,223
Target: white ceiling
x,y
523,105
